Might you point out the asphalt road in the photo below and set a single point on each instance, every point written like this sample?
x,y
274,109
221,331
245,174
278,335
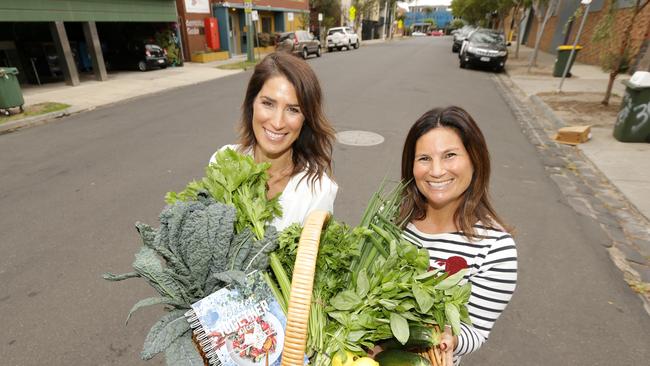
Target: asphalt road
x,y
71,190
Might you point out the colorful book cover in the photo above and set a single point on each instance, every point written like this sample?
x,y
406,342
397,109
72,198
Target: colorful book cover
x,y
240,325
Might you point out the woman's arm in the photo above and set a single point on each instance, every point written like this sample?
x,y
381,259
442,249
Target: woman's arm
x,y
492,289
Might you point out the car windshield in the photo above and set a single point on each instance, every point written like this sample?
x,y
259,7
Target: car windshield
x,y
483,37
333,31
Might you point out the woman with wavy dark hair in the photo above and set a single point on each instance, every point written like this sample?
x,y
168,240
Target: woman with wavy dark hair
x,y
447,210
283,123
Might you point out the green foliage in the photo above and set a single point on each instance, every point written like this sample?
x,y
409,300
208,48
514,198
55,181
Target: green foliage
x,y
201,245
371,284
456,24
183,352
166,40
236,180
331,10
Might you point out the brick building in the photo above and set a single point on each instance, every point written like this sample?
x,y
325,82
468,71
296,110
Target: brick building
x,y
561,30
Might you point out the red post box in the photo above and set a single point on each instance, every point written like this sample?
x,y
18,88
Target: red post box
x,y
212,33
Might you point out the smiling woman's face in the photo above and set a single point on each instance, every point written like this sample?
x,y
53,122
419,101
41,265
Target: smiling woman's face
x,y
442,168
277,118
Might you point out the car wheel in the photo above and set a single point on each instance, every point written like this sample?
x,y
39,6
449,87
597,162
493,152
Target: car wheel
x,y
142,66
330,49
163,66
498,69
22,109
356,45
305,54
454,48
318,52
462,64
340,48
349,45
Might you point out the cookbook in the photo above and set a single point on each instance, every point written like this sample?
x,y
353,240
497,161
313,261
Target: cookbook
x,y
240,325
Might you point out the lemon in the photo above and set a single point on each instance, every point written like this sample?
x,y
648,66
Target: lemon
x,y
338,359
365,361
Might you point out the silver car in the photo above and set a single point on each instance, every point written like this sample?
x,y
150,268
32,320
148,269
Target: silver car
x,y
300,42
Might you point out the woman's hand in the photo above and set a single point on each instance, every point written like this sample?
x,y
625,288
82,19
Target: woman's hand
x,y
448,343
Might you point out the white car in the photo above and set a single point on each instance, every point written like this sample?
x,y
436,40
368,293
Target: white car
x,y
340,37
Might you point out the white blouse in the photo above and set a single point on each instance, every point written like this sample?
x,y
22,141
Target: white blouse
x,y
299,198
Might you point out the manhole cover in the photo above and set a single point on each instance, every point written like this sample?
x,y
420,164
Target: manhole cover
x,y
359,138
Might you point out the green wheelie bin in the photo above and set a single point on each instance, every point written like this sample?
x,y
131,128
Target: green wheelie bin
x,y
10,94
633,120
563,53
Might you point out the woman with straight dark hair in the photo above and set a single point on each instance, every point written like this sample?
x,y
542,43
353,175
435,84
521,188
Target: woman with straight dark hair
x,y
447,210
283,123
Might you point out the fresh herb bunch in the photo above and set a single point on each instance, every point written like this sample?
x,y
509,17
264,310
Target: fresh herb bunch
x,y
236,180
336,253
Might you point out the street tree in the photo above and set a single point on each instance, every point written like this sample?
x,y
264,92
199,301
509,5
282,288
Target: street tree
x,y
364,9
473,11
331,10
538,5
615,59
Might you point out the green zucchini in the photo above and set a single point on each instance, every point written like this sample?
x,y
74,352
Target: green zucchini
x,y
420,338
396,357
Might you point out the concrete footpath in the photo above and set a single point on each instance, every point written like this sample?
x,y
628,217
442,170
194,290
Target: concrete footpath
x,y
602,178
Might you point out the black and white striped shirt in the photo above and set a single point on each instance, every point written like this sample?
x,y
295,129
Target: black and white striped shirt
x,y
492,262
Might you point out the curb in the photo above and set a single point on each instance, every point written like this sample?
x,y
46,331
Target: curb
x,y
548,112
587,190
41,119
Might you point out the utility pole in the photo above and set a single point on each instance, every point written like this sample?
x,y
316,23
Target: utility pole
x,y
248,7
383,27
575,43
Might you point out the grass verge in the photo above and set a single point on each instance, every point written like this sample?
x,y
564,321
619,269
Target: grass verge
x,y
239,65
33,110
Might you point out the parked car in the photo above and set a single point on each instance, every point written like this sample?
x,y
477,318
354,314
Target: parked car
x,y
340,37
437,33
485,48
459,37
300,43
142,56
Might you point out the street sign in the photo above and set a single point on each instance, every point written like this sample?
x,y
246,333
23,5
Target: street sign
x,y
290,17
353,12
248,6
320,17
255,16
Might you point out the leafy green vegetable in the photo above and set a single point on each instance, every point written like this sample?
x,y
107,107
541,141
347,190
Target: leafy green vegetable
x,y
371,284
211,234
236,180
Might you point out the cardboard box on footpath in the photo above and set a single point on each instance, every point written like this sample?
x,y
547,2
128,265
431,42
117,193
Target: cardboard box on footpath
x,y
573,135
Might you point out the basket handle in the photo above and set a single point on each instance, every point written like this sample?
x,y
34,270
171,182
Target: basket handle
x,y
302,284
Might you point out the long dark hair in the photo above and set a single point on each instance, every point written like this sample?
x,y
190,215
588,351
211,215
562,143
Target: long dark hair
x,y
475,203
312,151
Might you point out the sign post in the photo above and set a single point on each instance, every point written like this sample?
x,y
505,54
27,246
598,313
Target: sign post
x,y
248,7
290,18
255,17
320,29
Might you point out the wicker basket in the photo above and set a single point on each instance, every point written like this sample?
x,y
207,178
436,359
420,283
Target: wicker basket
x,y
302,283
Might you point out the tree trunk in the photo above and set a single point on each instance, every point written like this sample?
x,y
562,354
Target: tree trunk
x,y
626,41
540,31
610,85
